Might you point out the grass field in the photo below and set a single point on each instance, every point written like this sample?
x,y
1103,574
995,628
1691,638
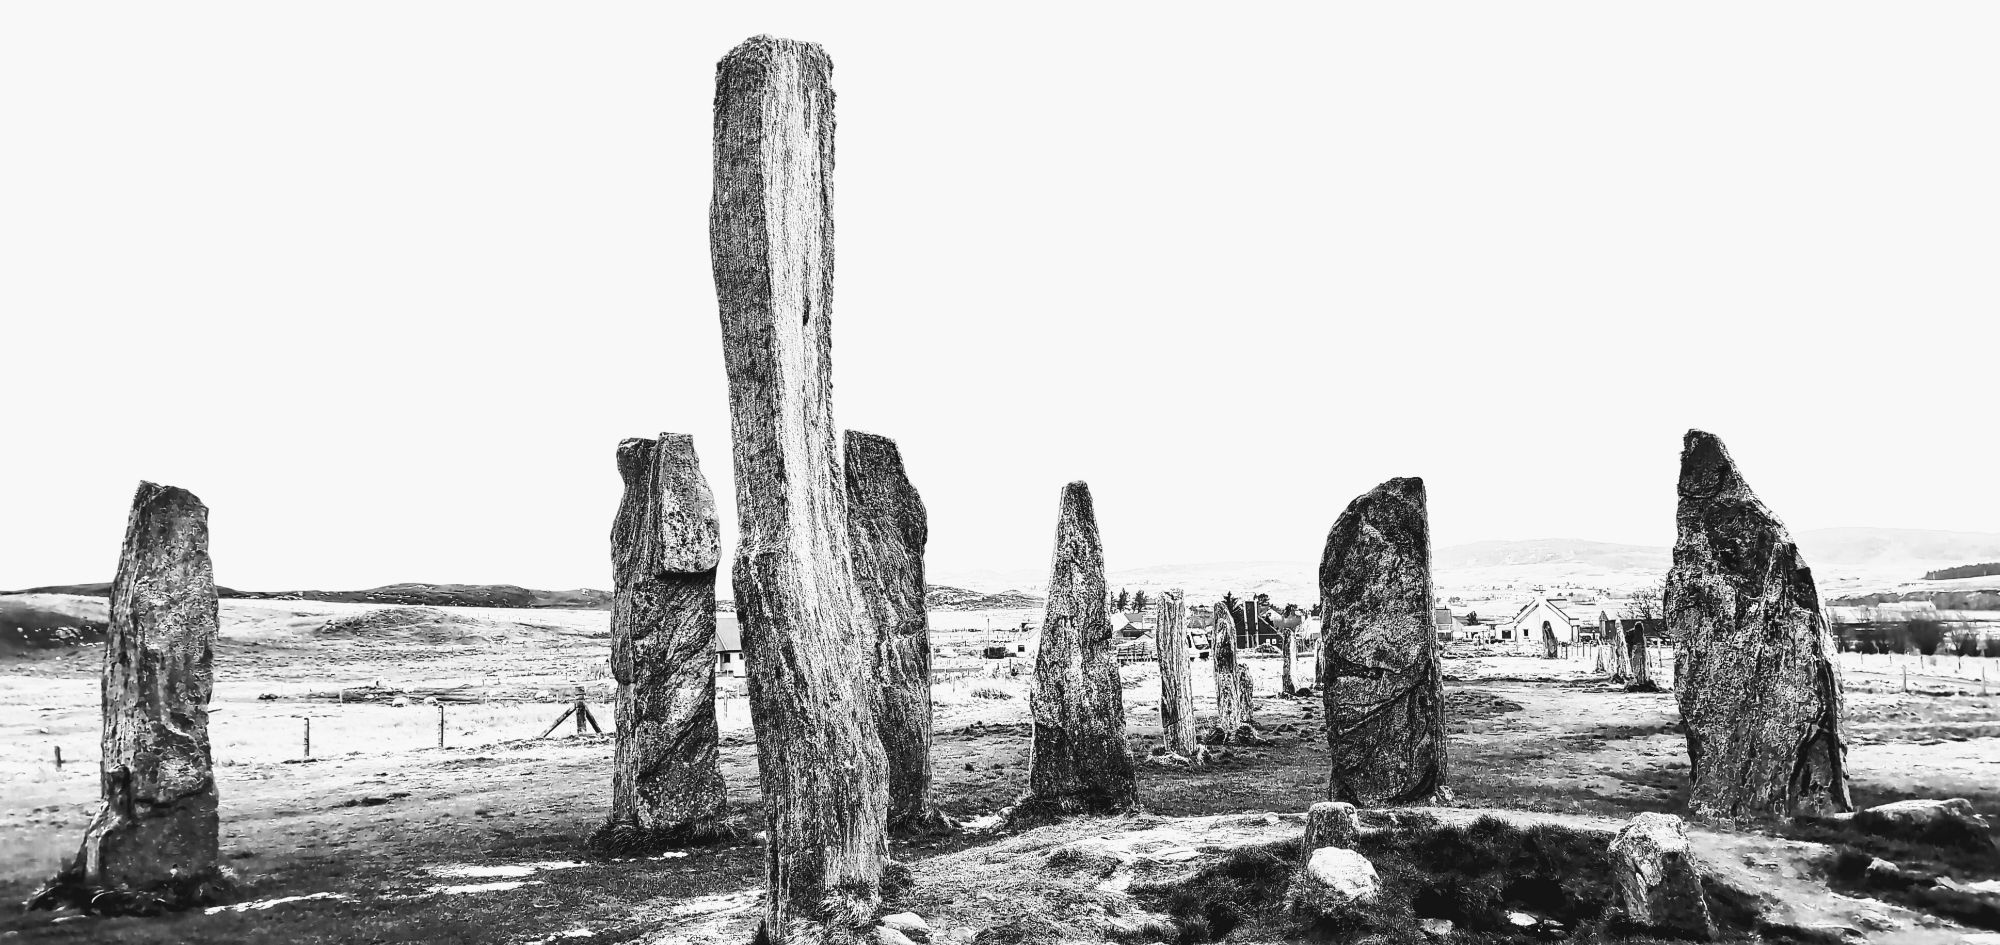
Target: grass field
x,y
482,841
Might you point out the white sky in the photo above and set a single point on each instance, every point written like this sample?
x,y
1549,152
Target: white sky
x,y
385,283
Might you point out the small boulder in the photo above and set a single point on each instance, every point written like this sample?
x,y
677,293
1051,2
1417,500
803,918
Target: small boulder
x,y
1333,880
885,935
1655,880
1330,824
906,922
1953,823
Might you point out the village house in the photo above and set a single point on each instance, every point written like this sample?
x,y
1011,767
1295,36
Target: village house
x,y
728,645
1570,621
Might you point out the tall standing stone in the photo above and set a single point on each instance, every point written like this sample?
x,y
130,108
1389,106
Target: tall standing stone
x,y
887,529
1176,689
1383,688
1549,644
156,830
824,777
1288,644
1758,691
1078,761
1232,678
666,782
1638,673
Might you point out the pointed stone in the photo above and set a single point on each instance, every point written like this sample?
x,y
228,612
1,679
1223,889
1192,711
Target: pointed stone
x,y
157,827
1078,761
1176,689
820,761
886,532
1232,678
666,782
1757,688
1382,685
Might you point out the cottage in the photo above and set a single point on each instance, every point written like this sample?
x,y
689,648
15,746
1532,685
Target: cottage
x,y
1559,615
728,645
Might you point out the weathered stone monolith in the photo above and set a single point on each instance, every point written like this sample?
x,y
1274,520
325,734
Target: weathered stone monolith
x,y
1233,695
154,837
1078,761
1549,642
1176,689
1757,689
820,760
1638,674
1382,685
666,782
886,534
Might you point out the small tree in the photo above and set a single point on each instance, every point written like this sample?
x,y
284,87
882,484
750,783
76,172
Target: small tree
x,y
1124,599
1472,618
1139,601
1926,634
1645,605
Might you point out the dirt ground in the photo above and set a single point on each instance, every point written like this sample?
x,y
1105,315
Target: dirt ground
x,y
397,840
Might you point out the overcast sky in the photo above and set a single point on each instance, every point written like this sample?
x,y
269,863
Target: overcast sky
x,y
385,283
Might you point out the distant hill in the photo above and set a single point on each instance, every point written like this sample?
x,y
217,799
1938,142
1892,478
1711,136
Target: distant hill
x,y
943,597
1598,554
1903,554
414,595
30,625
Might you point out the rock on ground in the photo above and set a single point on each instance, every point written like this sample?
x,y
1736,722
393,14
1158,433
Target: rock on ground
x,y
1334,879
1657,882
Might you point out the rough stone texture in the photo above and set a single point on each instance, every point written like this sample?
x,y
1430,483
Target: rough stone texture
x,y
1757,688
1288,654
887,529
1177,713
157,827
1334,878
824,777
1381,681
1233,697
1330,824
1656,882
665,545
1637,672
1951,823
1550,645
1078,761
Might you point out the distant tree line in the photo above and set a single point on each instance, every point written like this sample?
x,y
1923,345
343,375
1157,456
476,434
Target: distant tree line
x,y
1988,569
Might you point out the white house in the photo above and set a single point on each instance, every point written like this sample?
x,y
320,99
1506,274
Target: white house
x,y
728,645
1570,621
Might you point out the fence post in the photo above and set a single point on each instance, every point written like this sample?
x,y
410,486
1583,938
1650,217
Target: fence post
x,y
309,736
59,747
440,725
1906,679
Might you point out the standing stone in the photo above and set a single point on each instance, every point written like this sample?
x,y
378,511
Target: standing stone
x,y
1288,632
1617,651
1330,824
1382,685
1655,880
1078,761
887,529
156,830
1232,677
1637,674
825,780
1176,689
1758,692
666,782
1549,644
